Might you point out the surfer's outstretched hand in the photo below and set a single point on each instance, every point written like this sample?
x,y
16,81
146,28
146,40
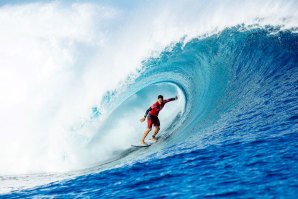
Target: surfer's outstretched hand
x,y
142,119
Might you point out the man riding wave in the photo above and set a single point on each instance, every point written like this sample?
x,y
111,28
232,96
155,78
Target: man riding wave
x,y
152,118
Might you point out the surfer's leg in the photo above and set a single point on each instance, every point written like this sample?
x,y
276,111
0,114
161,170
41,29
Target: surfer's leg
x,y
157,128
149,124
144,135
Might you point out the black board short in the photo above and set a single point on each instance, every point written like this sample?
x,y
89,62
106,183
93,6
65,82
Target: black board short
x,y
151,119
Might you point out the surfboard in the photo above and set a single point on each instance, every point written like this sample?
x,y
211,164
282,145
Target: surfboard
x,y
149,143
136,145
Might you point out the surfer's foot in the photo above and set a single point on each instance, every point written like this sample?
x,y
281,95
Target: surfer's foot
x,y
143,143
154,138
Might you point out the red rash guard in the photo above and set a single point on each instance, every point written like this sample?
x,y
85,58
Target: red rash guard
x,y
156,107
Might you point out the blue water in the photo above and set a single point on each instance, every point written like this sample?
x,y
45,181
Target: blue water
x,y
235,138
264,167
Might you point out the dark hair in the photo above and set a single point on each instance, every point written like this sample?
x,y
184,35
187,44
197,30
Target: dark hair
x,y
160,96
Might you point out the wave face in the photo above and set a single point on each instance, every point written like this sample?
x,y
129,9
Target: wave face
x,y
232,133
237,128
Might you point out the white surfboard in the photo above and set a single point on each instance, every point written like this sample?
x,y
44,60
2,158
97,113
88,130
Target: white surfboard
x,y
149,142
141,145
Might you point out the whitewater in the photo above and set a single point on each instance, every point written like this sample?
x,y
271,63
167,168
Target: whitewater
x,y
75,78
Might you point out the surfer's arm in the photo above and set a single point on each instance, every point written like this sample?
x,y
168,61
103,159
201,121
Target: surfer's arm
x,y
171,99
143,118
149,109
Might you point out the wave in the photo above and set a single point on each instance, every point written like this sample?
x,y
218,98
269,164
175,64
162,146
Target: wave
x,y
224,76
64,108
240,82
220,79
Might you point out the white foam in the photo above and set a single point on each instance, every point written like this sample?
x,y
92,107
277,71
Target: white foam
x,y
57,60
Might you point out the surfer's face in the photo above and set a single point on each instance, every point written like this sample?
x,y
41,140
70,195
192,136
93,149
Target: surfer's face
x,y
160,100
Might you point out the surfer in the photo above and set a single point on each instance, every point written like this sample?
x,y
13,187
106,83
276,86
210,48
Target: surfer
x,y
153,117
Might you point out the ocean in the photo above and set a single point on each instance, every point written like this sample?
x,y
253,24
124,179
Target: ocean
x,y
78,77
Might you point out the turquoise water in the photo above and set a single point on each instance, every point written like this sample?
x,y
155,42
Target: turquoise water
x,y
235,129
